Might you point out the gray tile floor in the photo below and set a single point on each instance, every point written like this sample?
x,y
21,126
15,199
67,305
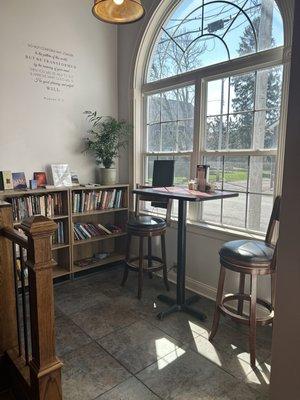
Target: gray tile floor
x,y
114,348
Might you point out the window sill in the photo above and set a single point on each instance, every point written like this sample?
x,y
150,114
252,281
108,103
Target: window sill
x,y
213,231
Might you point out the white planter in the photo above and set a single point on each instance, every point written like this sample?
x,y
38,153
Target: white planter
x,y
108,176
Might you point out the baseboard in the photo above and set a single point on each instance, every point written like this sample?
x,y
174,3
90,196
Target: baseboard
x,y
195,286
203,289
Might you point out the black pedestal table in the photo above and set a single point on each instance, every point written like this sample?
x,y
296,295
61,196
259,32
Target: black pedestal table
x,y
183,196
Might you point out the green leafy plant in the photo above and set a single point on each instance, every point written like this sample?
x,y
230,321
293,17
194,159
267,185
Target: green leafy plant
x,y
106,137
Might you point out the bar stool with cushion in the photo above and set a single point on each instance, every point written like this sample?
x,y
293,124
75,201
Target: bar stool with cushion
x,y
146,226
253,258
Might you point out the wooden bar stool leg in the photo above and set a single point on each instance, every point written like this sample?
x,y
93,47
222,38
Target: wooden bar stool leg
x,y
241,291
150,257
218,303
126,269
141,271
252,336
164,260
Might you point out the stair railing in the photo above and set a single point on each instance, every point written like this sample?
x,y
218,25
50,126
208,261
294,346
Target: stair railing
x,y
27,321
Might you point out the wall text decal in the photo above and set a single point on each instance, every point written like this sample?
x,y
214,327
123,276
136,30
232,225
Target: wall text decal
x,y
52,70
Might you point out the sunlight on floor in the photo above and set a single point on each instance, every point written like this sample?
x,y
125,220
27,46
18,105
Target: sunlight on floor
x,y
167,360
164,346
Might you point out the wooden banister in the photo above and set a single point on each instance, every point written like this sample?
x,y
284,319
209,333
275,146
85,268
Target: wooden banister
x,y
43,376
14,236
8,323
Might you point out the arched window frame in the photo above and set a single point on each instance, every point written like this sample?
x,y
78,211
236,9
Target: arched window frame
x,y
199,78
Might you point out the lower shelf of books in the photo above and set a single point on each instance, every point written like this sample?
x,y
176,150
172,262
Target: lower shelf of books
x,y
91,262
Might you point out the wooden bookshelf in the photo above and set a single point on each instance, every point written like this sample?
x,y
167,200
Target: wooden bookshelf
x,y
71,251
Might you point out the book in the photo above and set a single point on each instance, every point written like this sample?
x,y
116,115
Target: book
x,y
41,179
49,205
6,181
19,180
84,201
85,231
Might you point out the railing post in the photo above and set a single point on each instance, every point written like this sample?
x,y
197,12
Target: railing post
x,y
8,322
45,367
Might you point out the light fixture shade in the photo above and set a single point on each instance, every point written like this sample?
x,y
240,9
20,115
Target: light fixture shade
x,y
118,11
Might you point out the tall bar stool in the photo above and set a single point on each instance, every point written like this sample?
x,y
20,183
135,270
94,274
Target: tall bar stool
x,y
146,226
253,258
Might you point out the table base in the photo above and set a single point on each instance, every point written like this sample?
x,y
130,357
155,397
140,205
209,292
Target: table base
x,y
185,307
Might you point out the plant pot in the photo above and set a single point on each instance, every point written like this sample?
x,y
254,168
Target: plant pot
x,y
108,176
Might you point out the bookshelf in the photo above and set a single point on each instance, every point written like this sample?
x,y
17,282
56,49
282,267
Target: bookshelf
x,y
72,207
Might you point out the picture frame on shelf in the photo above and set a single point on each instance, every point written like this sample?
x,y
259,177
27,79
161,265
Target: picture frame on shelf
x,y
61,175
41,179
6,181
19,180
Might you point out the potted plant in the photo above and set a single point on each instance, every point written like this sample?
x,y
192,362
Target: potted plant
x,y
106,137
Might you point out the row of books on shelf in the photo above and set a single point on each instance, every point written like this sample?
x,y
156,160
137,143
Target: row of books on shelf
x,y
59,235
48,205
98,200
85,231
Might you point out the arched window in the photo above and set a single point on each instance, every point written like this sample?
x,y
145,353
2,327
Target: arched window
x,y
204,32
213,90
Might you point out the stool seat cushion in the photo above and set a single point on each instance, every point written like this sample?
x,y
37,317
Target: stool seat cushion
x,y
249,252
146,222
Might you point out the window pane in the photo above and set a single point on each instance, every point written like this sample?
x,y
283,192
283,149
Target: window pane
x,y
169,136
169,106
262,175
185,135
215,170
234,211
259,212
182,170
216,133
154,108
240,130
149,162
154,138
217,97
212,211
186,102
236,173
242,93
266,129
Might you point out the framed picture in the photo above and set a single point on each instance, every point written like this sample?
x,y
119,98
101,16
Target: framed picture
x,y
6,181
41,179
19,180
61,175
75,179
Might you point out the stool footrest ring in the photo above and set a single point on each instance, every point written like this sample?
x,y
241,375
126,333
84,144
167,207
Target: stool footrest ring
x,y
243,319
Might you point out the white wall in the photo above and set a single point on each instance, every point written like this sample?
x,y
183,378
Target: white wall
x,y
35,132
202,244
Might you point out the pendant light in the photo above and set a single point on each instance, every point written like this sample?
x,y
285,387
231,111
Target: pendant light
x,y
118,11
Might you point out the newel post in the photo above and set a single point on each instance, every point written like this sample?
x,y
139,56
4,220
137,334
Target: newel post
x,y
8,322
45,367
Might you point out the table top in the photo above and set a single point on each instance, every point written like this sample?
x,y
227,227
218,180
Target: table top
x,y
179,193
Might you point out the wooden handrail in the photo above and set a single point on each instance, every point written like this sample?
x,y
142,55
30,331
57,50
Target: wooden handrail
x,y
14,236
42,378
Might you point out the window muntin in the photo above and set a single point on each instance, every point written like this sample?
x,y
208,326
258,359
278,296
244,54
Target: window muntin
x,y
200,33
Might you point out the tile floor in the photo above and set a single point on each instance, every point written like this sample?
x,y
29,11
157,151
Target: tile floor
x,y
114,348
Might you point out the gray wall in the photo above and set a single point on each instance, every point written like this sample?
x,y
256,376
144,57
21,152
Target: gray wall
x,y
35,132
